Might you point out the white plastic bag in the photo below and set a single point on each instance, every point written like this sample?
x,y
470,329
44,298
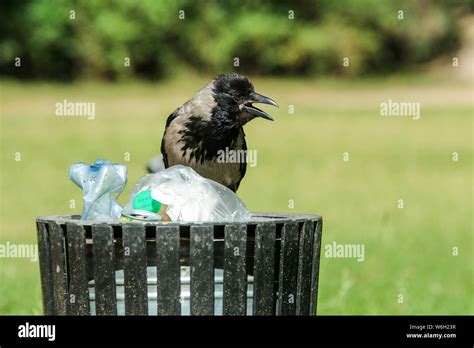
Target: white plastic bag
x,y
190,197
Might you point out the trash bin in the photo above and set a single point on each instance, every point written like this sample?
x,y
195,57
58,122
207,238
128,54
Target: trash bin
x,y
266,266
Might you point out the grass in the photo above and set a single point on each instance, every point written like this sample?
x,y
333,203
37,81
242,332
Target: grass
x,y
408,251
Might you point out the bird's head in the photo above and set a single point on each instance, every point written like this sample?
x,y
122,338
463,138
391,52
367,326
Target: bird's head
x,y
236,95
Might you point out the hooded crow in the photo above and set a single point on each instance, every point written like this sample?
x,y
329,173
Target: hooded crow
x,y
211,123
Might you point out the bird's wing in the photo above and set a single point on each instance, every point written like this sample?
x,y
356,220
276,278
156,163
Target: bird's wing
x,y
163,152
168,122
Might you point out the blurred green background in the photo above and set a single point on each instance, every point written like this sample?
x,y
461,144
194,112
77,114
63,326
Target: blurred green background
x,y
299,63
90,39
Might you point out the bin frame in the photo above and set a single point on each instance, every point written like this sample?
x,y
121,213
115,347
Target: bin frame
x,y
281,250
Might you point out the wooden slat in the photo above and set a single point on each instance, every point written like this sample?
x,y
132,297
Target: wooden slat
x,y
78,287
45,268
315,266
134,268
167,271
304,269
288,269
235,276
202,270
104,274
264,269
58,269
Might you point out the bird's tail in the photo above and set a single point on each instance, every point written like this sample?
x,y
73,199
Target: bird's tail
x,y
156,164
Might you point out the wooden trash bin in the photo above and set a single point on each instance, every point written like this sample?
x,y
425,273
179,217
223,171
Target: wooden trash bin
x,y
266,266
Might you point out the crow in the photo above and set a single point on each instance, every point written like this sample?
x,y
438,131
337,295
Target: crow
x,y
210,124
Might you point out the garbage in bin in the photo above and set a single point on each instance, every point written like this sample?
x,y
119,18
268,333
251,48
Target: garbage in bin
x,y
145,208
102,182
180,194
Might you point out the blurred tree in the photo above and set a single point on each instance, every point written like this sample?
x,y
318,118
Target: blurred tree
x,y
69,39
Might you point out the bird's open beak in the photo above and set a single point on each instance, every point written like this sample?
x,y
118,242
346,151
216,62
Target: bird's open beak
x,y
258,98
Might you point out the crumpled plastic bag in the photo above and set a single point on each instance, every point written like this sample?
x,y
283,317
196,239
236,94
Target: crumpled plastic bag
x,y
188,196
102,182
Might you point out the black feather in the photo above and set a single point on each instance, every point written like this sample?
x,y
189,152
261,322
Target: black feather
x,y
205,138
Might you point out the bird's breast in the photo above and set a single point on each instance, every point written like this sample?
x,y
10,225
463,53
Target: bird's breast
x,y
221,163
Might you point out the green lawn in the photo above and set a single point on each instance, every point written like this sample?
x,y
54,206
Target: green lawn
x,y
408,251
